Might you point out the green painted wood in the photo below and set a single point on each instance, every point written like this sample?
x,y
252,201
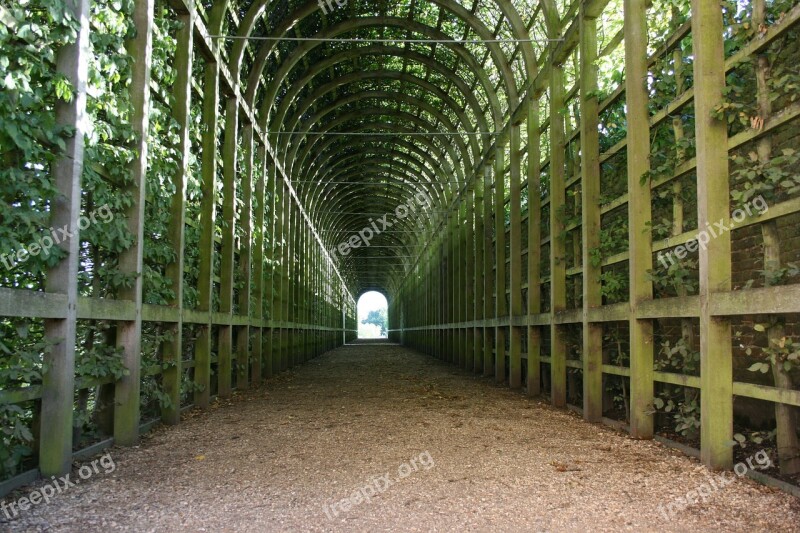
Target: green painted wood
x,y
716,373
245,221
500,303
639,216
590,216
479,290
488,271
469,280
534,219
129,333
515,259
227,255
172,350
558,296
260,229
208,215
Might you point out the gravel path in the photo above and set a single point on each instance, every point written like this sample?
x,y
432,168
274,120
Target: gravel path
x,y
432,447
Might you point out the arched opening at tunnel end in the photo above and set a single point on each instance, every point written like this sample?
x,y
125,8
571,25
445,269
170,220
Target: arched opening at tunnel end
x,y
373,311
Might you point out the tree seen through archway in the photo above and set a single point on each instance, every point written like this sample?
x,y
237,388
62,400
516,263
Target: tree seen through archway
x,y
372,316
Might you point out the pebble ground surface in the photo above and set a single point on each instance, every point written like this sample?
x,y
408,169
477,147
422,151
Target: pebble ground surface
x,y
448,450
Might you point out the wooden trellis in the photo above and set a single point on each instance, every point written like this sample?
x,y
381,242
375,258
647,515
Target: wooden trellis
x,y
285,256
427,327
298,145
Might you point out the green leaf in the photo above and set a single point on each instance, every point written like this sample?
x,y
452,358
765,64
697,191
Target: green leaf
x,y
9,82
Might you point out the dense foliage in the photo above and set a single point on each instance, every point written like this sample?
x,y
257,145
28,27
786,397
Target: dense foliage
x,y
31,33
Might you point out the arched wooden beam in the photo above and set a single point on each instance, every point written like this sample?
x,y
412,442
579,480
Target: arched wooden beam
x,y
394,194
399,115
392,51
313,171
336,208
439,192
515,22
448,188
387,96
258,9
339,144
357,77
428,185
336,215
361,23
334,180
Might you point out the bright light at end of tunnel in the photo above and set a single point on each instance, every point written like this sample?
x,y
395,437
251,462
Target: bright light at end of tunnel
x,y
372,305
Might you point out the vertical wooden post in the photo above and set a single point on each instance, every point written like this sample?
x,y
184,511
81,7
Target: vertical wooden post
x,y
462,281
430,333
469,281
434,300
291,298
443,294
639,216
479,291
245,254
488,271
129,333
515,237
288,228
312,295
310,289
501,307
716,374
308,293
294,273
457,287
172,350
227,260
448,296
298,289
272,282
590,227
58,380
280,295
344,315
446,288
259,291
558,275
317,294
533,379
208,216
301,286
452,296
434,271
441,274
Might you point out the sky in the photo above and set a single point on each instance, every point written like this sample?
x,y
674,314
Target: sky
x,y
370,301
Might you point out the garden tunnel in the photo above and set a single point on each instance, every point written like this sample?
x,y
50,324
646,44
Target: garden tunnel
x,y
593,201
